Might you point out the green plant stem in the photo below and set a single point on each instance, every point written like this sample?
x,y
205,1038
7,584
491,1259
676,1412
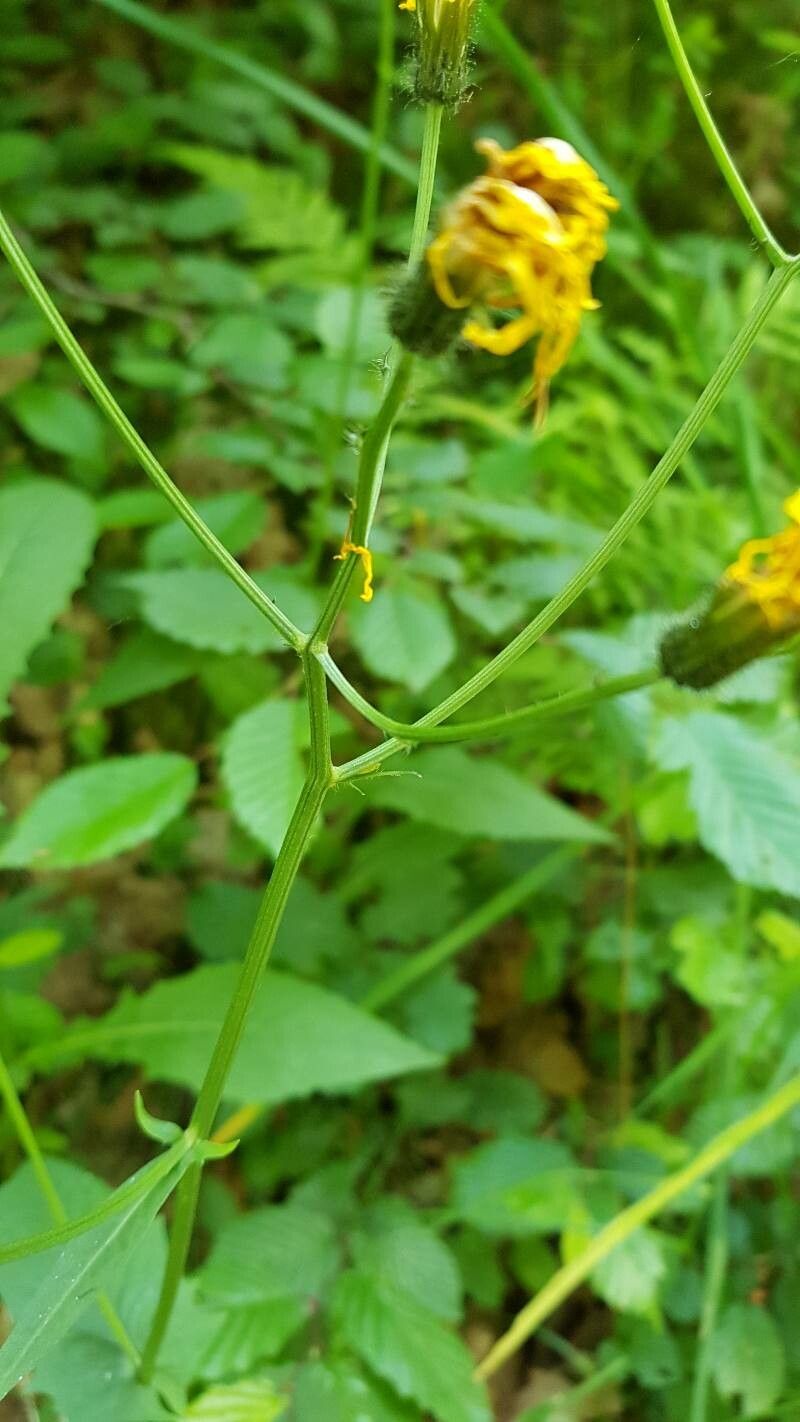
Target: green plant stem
x,y
102,396
571,1275
273,904
490,727
370,473
27,1139
715,141
290,93
368,220
639,506
426,182
372,461
494,910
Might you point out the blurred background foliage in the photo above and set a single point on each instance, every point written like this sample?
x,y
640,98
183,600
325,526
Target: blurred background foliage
x,y
201,234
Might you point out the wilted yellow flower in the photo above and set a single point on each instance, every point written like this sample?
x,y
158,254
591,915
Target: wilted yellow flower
x,y
442,44
755,607
568,184
527,235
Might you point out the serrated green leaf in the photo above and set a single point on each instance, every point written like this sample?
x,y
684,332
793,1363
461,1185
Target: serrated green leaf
x,y
276,1252
476,796
748,1360
300,1038
514,1186
745,793
394,1245
246,1336
409,1347
47,531
236,518
100,810
202,607
338,1391
262,768
253,1400
404,636
90,1379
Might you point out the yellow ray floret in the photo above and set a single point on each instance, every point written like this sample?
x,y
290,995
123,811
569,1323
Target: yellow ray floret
x,y
366,562
768,569
526,236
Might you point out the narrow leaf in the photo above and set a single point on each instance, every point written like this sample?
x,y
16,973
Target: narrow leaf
x,y
78,1270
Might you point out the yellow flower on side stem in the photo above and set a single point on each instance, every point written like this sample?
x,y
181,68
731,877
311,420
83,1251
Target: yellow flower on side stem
x,y
755,607
523,238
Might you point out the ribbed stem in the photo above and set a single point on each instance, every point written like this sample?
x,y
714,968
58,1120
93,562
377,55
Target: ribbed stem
x,y
273,904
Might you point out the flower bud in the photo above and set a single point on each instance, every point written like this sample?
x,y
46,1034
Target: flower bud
x,y
754,609
441,49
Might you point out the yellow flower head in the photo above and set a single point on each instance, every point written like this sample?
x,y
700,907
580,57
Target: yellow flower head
x,y
768,570
754,608
442,32
525,236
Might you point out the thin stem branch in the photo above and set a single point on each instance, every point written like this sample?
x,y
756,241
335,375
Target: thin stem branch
x,y
722,156
27,1138
639,506
370,474
427,181
372,461
571,1275
102,397
489,727
368,220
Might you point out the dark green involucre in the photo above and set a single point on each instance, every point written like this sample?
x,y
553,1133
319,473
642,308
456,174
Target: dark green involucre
x,y
442,45
419,319
731,631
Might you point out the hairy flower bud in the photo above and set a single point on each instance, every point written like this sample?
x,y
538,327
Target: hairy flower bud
x,y
753,609
442,49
